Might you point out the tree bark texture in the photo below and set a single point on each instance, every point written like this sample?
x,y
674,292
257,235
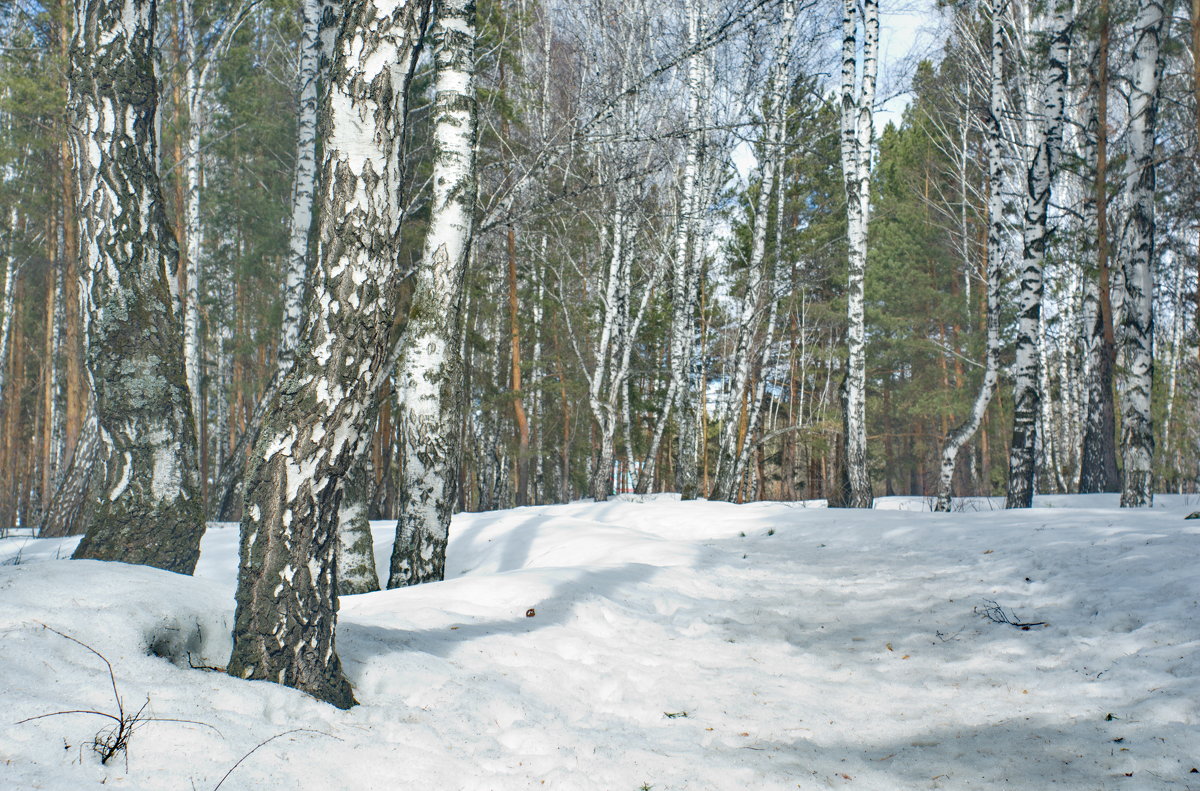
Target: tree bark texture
x,y
1027,391
316,427
858,101
147,507
430,375
1098,457
1137,321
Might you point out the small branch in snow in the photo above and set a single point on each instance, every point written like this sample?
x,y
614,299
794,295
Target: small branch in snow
x,y
264,743
111,741
997,614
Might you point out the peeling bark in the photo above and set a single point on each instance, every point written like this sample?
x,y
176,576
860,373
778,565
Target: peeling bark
x,y
430,375
318,423
147,505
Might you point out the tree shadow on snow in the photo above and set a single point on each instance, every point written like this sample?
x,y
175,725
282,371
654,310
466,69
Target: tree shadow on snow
x,y
359,642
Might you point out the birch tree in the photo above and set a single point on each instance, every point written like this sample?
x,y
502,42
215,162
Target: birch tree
x,y
1137,323
287,580
684,274
430,375
760,294
857,127
1047,123
147,508
995,260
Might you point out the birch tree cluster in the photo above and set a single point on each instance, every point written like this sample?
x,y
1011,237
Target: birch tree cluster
x,y
308,264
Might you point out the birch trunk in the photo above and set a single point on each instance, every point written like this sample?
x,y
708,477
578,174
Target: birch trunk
x,y
192,236
147,509
747,354
7,302
314,430
1137,324
430,377
857,128
1027,395
683,283
356,549
319,22
304,179
995,263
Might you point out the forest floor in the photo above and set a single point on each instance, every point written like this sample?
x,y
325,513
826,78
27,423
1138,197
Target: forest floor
x,y
649,645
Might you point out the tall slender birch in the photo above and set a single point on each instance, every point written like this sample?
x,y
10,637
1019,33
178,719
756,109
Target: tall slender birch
x,y
1136,376
430,374
7,302
313,51
857,128
147,508
319,22
995,261
747,354
684,274
1047,125
314,430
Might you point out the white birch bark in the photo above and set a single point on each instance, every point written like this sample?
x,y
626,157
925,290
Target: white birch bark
x,y
429,379
319,23
684,274
995,263
147,507
747,353
857,127
7,302
314,430
1039,176
313,50
1136,376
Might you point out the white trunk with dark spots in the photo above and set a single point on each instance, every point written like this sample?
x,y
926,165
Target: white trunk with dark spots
x,y
995,263
1047,124
429,378
315,427
1136,376
858,103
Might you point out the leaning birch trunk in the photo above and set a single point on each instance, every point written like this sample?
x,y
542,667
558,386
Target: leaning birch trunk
x,y
319,20
995,265
429,377
857,128
1027,395
314,430
1137,323
147,504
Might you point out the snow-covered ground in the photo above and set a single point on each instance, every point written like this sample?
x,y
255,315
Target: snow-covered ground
x,y
671,646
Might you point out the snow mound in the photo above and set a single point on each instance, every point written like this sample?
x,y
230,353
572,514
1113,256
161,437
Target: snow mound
x,y
679,645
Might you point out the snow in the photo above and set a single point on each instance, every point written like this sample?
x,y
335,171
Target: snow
x,y
821,649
